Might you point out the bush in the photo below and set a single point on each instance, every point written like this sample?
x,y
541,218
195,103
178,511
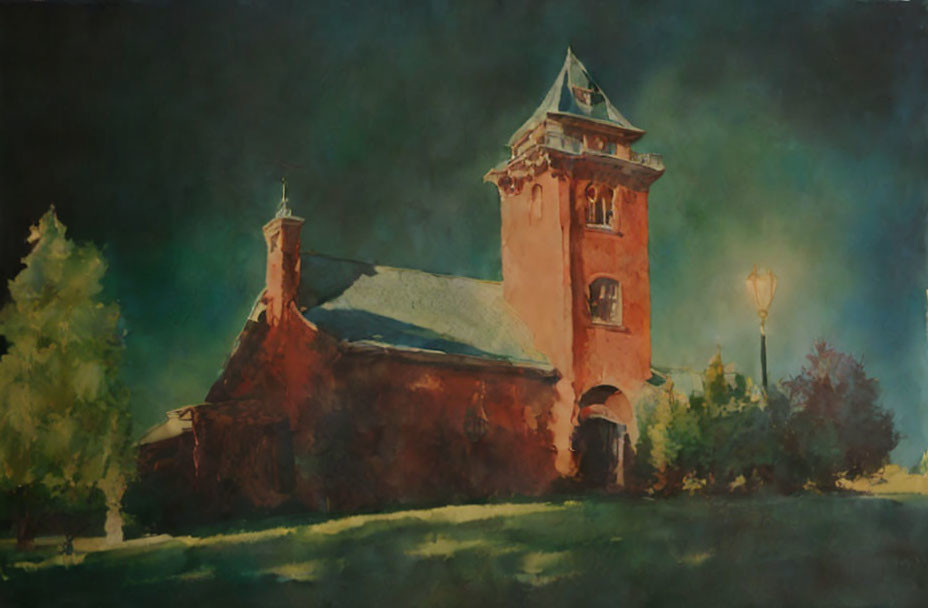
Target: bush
x,y
710,440
668,441
825,426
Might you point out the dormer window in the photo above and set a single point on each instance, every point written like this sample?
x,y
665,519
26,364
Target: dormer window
x,y
583,95
606,301
600,210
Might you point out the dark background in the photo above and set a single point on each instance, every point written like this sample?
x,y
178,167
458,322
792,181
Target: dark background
x,y
795,136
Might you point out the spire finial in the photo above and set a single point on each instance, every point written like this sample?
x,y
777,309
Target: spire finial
x,y
283,210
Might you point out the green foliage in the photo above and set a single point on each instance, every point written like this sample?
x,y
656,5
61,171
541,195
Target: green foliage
x,y
735,429
64,423
838,428
710,439
669,440
829,426
922,467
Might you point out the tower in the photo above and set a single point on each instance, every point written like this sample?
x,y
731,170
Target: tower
x,y
282,236
574,210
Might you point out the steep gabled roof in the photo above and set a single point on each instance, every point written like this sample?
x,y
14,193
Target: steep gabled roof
x,y
414,310
575,93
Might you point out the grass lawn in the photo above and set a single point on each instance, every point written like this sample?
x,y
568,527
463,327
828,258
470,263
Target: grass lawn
x,y
806,551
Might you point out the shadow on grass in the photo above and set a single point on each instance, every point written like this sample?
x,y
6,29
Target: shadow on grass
x,y
810,550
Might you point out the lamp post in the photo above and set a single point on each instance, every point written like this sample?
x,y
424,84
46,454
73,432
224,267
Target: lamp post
x,y
762,286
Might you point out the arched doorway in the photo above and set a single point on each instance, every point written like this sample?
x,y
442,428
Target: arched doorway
x,y
600,439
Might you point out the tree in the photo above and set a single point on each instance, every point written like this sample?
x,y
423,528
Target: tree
x,y
64,423
838,427
737,439
670,444
712,439
922,467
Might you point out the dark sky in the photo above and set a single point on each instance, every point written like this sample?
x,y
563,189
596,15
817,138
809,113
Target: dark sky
x,y
795,136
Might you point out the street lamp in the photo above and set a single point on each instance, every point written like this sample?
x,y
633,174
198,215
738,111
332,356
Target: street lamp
x,y
762,286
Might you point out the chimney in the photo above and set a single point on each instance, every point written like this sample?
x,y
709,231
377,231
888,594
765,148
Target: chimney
x,y
282,235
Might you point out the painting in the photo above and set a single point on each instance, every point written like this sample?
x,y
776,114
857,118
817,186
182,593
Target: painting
x,y
489,303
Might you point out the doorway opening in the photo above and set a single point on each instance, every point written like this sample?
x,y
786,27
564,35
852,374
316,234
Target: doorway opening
x,y
600,438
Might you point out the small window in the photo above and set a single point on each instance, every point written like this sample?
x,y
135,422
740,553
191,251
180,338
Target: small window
x,y
606,301
584,96
596,142
535,207
599,207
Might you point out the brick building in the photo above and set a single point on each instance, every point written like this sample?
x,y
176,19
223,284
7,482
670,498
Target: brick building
x,y
354,385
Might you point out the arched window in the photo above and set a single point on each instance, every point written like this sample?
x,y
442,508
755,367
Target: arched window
x,y
599,206
606,301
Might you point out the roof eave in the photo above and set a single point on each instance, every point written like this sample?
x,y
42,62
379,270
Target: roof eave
x,y
629,130
538,368
628,133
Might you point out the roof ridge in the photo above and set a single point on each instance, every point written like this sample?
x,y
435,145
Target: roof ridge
x,y
402,268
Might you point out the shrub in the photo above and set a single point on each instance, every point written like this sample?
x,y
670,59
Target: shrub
x,y
712,439
825,426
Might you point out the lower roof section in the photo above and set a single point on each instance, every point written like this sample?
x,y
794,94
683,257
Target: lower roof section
x,y
415,311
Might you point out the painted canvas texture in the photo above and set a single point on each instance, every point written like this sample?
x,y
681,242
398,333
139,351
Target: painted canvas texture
x,y
513,304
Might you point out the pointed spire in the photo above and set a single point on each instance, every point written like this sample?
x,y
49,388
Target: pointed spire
x,y
283,209
575,93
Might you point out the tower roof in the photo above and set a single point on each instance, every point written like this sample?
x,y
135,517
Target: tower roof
x,y
575,93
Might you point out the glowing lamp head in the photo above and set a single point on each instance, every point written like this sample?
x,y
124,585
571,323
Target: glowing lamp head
x,y
762,286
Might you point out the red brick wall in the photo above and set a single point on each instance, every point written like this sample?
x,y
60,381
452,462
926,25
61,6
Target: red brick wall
x,y
550,257
368,427
536,263
397,432
619,357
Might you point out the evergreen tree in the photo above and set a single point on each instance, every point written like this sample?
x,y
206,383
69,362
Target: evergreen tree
x,y
922,467
64,423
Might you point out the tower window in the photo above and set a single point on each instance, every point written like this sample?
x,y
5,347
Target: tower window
x,y
600,211
535,206
606,301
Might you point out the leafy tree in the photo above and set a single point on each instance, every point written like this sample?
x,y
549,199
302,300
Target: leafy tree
x,y
64,423
838,427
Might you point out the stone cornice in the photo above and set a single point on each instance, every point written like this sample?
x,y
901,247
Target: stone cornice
x,y
611,170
